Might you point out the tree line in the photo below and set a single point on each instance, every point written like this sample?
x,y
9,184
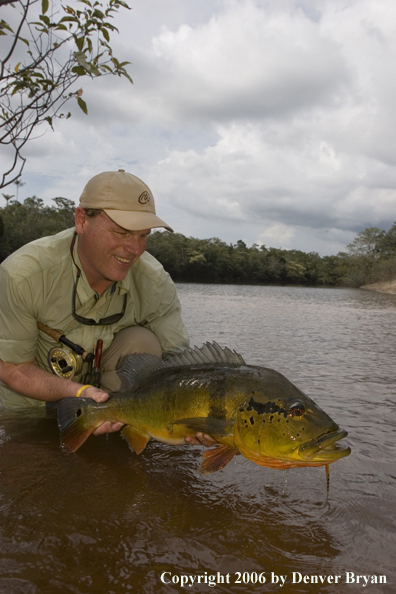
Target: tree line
x,y
369,258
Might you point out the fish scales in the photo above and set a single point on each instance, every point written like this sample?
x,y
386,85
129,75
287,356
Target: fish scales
x,y
249,410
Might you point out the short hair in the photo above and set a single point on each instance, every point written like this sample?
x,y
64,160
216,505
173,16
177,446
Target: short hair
x,y
92,212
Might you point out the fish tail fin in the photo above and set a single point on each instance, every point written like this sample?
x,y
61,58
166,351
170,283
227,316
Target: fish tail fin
x,y
72,424
216,458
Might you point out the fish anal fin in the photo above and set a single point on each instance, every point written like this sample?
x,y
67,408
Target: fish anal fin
x,y
137,441
208,425
216,458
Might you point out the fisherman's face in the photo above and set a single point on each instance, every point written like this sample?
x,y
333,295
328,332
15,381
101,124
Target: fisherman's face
x,y
106,250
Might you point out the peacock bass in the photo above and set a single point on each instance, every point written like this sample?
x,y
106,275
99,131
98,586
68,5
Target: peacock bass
x,y
249,410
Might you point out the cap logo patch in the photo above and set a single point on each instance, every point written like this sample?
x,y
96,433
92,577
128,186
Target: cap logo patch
x,y
144,198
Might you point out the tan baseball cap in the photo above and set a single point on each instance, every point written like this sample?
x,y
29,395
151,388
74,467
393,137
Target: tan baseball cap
x,y
125,198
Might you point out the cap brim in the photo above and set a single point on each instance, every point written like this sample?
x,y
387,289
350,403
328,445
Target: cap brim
x,y
136,221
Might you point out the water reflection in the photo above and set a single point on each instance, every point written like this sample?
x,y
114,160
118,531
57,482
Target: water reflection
x,y
104,520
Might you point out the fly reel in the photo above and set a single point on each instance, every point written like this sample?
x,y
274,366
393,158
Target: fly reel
x,y
64,363
68,361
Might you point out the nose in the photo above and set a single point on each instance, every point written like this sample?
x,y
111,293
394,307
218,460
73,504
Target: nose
x,y
135,246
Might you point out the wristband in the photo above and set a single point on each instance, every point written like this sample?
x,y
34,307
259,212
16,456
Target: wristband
x,y
81,390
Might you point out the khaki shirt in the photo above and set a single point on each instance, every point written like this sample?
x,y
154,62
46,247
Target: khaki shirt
x,y
36,285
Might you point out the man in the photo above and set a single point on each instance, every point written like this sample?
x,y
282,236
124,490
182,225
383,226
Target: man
x,y
94,282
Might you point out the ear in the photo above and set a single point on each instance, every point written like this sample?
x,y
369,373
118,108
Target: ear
x,y
80,220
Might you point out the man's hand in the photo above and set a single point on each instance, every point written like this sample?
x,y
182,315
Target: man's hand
x,y
91,392
201,439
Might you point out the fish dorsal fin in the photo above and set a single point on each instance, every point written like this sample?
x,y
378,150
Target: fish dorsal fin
x,y
141,365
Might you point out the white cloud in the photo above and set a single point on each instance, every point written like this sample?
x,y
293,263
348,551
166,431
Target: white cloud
x,y
280,235
248,119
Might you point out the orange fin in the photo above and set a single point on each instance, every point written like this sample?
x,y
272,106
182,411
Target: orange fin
x,y
137,442
216,458
74,437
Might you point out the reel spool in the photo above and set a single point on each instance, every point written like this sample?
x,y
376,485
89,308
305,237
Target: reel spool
x,y
64,363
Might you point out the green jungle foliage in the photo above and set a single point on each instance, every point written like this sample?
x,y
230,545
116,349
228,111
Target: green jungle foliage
x,y
371,257
25,222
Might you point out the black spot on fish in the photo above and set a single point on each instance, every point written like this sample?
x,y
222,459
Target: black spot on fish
x,y
268,407
270,419
251,421
78,413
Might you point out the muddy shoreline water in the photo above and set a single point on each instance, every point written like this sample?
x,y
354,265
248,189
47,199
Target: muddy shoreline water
x,y
383,287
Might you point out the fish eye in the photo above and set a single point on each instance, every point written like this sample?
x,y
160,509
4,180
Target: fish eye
x,y
297,409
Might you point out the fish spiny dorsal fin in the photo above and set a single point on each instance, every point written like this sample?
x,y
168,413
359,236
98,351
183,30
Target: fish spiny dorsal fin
x,y
140,366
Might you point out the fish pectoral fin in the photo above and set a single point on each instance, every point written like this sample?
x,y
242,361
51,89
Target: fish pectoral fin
x,y
137,441
216,458
209,425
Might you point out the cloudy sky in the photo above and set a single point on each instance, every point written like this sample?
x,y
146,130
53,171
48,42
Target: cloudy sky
x,y
271,121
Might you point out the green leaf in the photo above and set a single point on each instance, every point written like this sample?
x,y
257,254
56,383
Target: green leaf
x,y
45,19
4,25
49,120
79,42
124,4
68,19
82,105
105,34
79,70
125,73
105,68
44,8
80,57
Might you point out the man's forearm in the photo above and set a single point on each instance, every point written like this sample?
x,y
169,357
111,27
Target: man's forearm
x,y
30,380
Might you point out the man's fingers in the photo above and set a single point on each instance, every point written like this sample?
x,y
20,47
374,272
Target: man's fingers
x,y
108,427
201,439
95,393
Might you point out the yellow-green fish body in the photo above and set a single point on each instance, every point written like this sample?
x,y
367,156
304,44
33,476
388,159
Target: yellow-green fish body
x,y
249,410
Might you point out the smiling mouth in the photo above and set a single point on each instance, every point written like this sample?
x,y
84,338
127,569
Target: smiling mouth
x,y
122,260
325,447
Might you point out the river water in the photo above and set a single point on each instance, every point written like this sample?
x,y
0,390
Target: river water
x,y
106,520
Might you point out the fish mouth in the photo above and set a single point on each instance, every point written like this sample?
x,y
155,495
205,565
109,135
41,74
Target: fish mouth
x,y
325,448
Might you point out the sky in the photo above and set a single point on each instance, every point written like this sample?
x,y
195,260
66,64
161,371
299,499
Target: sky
x,y
270,121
